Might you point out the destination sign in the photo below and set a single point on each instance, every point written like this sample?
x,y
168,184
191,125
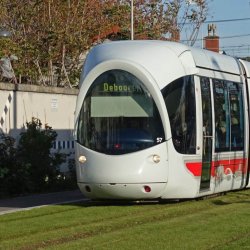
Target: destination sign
x,y
108,87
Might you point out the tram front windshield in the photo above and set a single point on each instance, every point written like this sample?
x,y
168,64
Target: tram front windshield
x,y
119,115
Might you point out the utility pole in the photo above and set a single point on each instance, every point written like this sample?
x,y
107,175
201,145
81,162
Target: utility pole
x,y
132,20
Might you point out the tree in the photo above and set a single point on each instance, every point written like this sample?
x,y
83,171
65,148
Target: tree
x,y
157,19
50,36
29,165
34,153
13,177
6,152
194,14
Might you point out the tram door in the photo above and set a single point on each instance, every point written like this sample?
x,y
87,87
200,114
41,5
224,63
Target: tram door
x,y
207,133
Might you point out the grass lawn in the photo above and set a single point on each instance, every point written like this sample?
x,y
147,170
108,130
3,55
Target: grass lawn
x,y
217,223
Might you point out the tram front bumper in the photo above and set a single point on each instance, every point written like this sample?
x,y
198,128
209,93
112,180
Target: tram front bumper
x,y
114,191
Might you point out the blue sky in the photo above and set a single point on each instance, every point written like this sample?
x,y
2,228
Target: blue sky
x,y
228,10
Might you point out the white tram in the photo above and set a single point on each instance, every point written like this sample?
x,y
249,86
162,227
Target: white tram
x,y
160,120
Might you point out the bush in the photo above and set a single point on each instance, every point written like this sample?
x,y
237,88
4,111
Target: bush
x,y
31,167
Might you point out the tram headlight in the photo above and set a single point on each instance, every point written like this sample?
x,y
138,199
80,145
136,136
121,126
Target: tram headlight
x,y
82,159
156,158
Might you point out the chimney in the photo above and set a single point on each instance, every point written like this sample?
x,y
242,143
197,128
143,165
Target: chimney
x,y
212,40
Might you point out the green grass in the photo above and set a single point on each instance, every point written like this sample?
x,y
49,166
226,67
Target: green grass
x,y
217,223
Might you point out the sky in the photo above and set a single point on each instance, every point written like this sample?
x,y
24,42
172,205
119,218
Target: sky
x,y
234,35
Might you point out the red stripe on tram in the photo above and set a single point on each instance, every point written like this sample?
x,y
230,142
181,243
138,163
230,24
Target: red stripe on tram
x,y
194,168
233,165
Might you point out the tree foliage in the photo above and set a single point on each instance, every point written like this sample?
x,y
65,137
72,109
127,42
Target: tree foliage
x,y
50,37
7,154
30,166
34,151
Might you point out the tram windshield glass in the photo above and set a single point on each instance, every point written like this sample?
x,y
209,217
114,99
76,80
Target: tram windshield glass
x,y
179,98
119,115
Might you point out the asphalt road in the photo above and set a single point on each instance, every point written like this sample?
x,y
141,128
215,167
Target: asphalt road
x,y
33,201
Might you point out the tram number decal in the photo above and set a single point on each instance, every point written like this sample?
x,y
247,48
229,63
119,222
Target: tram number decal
x,y
159,139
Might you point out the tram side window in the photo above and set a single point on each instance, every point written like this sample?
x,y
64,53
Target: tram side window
x,y
179,98
229,120
237,116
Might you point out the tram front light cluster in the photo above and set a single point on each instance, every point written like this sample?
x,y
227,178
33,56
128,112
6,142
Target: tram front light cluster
x,y
82,159
156,158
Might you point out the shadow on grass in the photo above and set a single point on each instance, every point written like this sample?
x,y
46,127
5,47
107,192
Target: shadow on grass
x,y
98,203
93,203
221,203
241,195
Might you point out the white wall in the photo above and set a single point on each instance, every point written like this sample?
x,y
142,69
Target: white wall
x,y
54,106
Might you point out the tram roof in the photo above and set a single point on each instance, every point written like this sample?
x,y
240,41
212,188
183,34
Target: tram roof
x,y
166,61
215,61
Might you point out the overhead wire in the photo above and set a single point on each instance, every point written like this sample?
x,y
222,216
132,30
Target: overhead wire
x,y
239,47
227,20
221,21
221,37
